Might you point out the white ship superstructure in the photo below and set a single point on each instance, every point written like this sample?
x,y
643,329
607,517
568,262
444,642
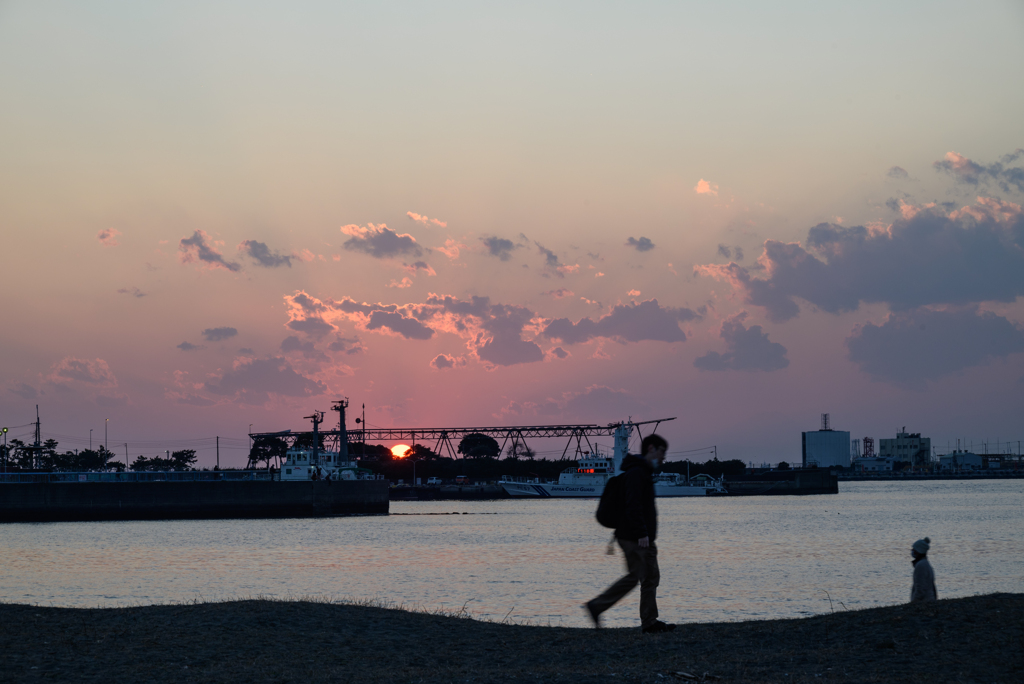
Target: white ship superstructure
x,y
301,464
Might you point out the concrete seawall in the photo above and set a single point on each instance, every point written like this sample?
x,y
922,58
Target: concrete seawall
x,y
80,501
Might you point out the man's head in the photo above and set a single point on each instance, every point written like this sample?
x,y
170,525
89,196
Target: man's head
x,y
653,448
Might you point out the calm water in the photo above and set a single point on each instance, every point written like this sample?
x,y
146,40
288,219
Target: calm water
x,y
721,559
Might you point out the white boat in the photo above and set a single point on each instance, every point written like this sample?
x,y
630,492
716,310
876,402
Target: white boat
x,y
301,464
591,473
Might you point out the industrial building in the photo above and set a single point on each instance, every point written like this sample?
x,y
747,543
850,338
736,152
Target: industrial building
x,y
872,464
908,449
826,447
959,461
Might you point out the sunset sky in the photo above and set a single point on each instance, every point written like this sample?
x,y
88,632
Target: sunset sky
x,y
740,214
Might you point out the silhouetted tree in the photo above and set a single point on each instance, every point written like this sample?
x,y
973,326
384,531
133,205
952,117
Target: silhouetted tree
x,y
266,449
476,445
179,460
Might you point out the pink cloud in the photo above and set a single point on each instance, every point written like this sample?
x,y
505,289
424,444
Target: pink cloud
x,y
705,188
989,209
450,249
634,293
419,218
406,282
94,372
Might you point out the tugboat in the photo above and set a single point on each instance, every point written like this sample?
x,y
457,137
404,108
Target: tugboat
x,y
588,478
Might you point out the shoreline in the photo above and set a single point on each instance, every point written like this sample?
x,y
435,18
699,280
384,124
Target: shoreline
x,y
258,640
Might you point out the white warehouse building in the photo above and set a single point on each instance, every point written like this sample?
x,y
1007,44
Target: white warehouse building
x,y
826,447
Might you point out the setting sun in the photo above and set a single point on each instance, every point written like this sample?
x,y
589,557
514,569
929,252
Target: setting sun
x,y
398,451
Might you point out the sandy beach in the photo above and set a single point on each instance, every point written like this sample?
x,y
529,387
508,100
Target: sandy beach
x,y
975,639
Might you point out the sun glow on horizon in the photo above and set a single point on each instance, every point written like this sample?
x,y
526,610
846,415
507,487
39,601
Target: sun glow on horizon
x,y
398,451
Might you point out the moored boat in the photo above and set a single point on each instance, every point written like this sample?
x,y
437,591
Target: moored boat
x,y
592,472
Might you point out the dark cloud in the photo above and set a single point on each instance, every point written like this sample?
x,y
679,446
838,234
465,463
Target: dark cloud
x,y
108,237
307,348
349,345
198,248
257,380
550,258
559,352
748,349
446,362
306,315
218,334
380,241
134,291
246,350
420,266
23,390
897,172
313,326
893,204
188,346
409,328
641,245
972,255
559,293
731,252
499,247
261,254
501,343
912,347
966,171
631,322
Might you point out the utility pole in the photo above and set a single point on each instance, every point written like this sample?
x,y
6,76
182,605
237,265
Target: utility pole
x,y
218,452
37,447
90,439
105,421
126,456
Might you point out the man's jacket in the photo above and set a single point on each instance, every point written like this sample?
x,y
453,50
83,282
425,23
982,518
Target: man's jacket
x,y
640,519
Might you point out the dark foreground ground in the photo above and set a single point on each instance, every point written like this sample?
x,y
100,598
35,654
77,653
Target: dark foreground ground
x,y
978,639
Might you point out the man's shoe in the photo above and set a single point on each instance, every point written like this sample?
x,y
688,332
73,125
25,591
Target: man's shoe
x,y
658,627
594,617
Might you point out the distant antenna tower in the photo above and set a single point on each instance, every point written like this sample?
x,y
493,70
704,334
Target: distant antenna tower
x,y
825,424
869,447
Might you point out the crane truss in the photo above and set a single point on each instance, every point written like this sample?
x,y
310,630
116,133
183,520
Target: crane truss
x,y
510,436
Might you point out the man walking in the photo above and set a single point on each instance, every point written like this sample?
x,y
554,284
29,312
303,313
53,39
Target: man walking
x,y
636,535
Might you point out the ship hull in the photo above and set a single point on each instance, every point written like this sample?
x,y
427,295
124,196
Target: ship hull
x,y
82,501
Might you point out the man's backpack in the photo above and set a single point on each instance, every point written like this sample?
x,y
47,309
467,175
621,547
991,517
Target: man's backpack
x,y
611,508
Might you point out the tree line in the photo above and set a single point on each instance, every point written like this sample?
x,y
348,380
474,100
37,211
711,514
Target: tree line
x,y
22,457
